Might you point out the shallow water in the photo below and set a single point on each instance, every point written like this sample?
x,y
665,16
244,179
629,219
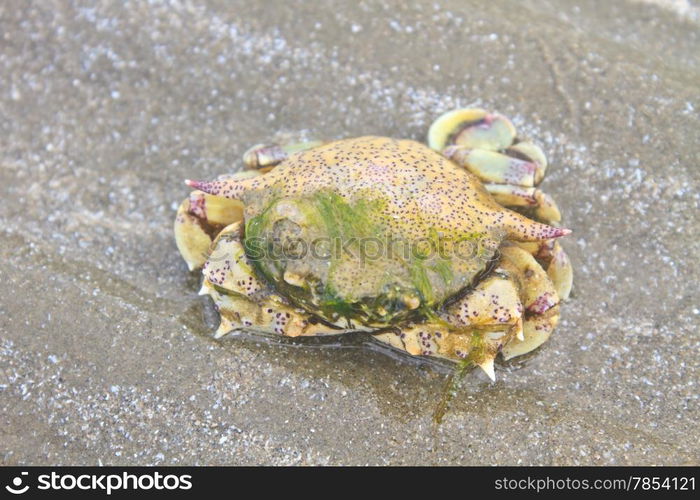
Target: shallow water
x,y
103,345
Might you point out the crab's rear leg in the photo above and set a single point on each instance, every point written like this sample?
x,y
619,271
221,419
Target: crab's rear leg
x,y
487,146
511,169
265,157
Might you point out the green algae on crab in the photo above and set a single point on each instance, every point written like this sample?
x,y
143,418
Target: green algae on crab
x,y
340,258
388,236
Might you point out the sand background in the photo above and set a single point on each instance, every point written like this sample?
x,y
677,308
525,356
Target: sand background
x,y
105,348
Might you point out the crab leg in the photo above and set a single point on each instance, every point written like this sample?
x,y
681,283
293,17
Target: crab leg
x,y
472,128
536,330
494,167
245,302
560,271
513,311
265,156
486,145
510,180
530,152
435,338
553,258
539,297
509,195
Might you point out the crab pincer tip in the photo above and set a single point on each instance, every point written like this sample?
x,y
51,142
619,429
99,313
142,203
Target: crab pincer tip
x,y
564,231
192,184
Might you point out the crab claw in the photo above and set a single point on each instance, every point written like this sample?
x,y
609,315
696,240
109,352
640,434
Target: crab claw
x,y
214,210
201,216
547,208
190,237
263,156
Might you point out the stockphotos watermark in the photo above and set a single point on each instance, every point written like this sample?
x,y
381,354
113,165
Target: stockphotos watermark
x,y
107,483
364,249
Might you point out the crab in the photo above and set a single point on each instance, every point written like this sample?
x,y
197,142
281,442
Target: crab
x,y
448,250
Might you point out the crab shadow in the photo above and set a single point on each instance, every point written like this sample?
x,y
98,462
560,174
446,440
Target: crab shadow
x,y
404,387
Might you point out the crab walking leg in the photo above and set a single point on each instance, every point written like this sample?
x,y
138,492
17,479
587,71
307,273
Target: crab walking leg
x,y
512,181
530,152
267,314
443,341
461,131
473,128
553,258
510,195
537,331
265,156
245,302
491,166
475,328
539,297
486,145
560,271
